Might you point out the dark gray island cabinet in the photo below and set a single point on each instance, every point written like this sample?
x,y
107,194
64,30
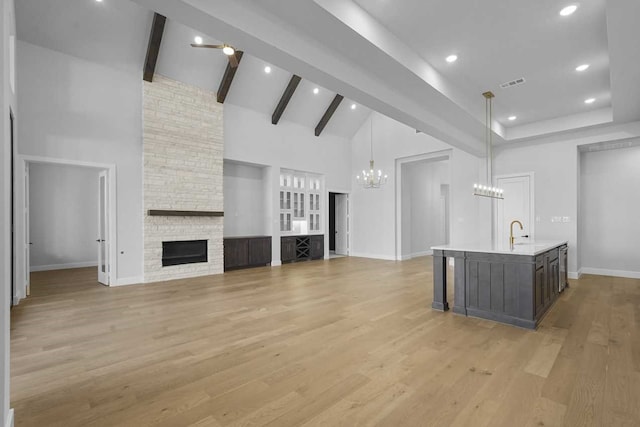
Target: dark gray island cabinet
x,y
514,286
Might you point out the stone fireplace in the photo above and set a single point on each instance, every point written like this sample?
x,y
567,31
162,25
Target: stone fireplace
x,y
183,200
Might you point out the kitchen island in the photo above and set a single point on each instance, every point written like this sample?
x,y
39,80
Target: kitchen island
x,y
514,285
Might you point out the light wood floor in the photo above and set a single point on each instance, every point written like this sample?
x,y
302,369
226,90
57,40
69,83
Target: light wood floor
x,y
344,342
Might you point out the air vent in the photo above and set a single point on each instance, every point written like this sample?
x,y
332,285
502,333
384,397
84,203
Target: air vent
x,y
512,83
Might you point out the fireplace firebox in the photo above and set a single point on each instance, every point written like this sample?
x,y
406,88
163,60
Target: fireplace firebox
x,y
184,252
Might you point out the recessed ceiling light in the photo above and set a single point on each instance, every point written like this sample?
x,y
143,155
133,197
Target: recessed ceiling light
x,y
512,118
353,106
452,58
228,50
197,40
98,1
582,67
589,101
316,91
267,69
568,10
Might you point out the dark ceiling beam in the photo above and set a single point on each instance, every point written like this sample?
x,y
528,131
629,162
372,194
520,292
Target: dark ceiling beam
x,y
155,40
227,79
327,114
286,97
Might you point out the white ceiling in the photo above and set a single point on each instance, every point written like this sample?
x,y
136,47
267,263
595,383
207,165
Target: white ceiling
x,y
115,33
497,41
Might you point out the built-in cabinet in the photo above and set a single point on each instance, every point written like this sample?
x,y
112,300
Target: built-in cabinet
x,y
301,248
245,252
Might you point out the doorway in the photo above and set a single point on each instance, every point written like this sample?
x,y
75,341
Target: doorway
x,y
338,225
518,204
69,218
423,204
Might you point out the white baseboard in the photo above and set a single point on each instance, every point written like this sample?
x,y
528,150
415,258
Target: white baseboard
x,y
64,266
415,255
276,263
374,256
574,274
614,273
16,300
9,422
126,281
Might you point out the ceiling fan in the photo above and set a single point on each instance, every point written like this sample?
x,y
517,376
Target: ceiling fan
x,y
226,49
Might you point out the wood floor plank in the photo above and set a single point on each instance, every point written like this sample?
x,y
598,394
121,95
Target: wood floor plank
x,y
343,342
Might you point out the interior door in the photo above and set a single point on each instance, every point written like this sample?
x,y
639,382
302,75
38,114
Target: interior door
x,y
27,234
517,205
103,228
342,224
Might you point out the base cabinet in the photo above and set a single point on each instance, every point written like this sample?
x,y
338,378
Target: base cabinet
x,y
246,252
301,248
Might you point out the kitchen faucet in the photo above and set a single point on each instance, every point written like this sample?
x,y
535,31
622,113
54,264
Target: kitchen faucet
x,y
511,238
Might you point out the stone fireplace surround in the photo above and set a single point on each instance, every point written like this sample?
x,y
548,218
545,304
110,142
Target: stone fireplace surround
x,y
183,151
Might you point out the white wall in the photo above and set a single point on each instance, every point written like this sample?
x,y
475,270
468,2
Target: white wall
x,y
374,235
244,200
555,163
251,138
8,97
423,224
78,110
610,206
63,216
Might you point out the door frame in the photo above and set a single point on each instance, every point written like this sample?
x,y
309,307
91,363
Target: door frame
x,y
12,203
435,156
104,250
349,220
21,174
532,198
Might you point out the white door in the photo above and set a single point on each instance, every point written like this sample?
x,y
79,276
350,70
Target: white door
x,y
517,205
103,229
342,224
27,236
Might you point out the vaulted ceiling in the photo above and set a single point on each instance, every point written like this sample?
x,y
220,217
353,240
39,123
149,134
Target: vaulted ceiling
x,y
115,33
388,56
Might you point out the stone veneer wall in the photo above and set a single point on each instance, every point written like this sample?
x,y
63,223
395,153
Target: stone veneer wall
x,y
183,150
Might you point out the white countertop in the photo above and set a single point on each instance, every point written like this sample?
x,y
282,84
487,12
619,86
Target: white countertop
x,y
529,248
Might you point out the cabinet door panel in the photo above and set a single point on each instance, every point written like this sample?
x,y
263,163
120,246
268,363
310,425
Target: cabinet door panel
x,y
236,253
541,279
259,251
317,247
287,249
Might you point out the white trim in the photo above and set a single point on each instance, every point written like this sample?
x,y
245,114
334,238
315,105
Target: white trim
x,y
374,256
415,255
126,281
435,156
64,266
607,272
9,422
276,263
574,275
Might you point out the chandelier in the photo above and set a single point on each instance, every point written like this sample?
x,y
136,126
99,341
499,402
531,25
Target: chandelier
x,y
481,189
372,178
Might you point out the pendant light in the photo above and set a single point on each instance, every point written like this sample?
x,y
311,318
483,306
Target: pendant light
x,y
372,178
488,190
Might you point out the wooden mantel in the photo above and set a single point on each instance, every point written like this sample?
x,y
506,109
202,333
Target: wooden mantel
x,y
184,213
